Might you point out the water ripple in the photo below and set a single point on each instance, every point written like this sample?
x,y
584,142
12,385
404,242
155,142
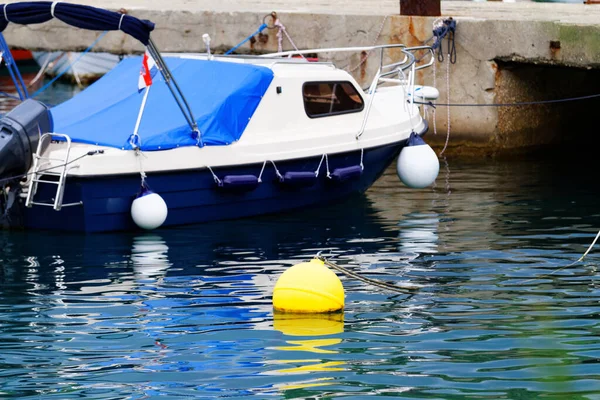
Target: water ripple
x,y
186,313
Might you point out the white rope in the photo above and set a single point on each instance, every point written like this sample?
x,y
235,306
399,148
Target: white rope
x,y
327,164
263,169
362,167
280,33
52,8
319,167
566,266
139,154
6,16
435,86
447,101
407,105
215,177
261,172
590,248
120,21
276,170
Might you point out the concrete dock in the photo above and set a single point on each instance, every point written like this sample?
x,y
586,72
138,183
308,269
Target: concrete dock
x,y
506,52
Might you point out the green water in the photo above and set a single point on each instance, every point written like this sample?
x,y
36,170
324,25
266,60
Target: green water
x,y
186,312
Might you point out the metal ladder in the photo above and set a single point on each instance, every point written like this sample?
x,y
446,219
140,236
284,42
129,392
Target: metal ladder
x,y
37,174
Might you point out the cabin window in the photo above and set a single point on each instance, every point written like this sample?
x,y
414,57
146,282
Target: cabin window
x,y
322,99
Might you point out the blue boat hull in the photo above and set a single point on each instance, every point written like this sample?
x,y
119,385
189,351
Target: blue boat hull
x,y
192,196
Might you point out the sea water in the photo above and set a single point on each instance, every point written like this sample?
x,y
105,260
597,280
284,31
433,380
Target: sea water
x,y
186,312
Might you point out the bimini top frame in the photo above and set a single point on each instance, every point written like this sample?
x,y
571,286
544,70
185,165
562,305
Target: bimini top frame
x,y
77,15
98,19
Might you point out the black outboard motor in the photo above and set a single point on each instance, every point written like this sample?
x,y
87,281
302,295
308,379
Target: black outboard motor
x,y
20,132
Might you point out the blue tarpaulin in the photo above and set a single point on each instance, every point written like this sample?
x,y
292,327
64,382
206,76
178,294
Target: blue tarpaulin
x,y
80,16
223,97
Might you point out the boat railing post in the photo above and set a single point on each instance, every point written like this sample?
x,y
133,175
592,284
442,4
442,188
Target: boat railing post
x,y
369,104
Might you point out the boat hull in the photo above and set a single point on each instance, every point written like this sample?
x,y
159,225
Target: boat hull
x,y
193,196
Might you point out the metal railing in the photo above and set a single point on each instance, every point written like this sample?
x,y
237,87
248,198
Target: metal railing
x,y
405,63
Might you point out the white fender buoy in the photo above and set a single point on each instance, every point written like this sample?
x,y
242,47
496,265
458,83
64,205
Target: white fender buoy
x,y
148,210
426,93
418,165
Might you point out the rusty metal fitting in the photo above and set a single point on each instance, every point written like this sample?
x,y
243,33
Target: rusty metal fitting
x,y
273,16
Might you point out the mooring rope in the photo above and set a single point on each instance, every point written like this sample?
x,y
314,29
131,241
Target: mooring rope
x,y
516,104
412,288
259,30
282,30
448,100
563,267
373,282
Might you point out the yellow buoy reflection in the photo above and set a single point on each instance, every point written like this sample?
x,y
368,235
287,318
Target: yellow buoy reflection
x,y
311,345
308,324
319,367
313,325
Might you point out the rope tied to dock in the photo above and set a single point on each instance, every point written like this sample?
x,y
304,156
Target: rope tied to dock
x,y
282,30
516,104
580,259
262,27
444,28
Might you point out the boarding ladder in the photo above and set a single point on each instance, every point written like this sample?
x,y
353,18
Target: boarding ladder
x,y
60,170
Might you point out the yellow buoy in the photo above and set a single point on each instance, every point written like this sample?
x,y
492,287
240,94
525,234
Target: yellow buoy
x,y
309,324
308,287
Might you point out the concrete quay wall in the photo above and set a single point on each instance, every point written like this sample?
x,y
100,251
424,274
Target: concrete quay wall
x,y
506,52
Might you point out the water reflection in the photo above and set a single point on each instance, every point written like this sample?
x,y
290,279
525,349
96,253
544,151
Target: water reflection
x,y
59,92
149,256
308,326
262,244
419,233
187,312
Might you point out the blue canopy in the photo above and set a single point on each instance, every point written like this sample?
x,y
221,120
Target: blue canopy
x,y
222,95
80,16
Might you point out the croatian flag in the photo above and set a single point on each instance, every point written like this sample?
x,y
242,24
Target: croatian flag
x,y
147,72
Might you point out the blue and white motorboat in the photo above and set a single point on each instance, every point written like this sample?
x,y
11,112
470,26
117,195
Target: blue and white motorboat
x,y
212,137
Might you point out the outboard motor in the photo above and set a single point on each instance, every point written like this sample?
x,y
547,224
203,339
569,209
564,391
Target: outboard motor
x,y
20,132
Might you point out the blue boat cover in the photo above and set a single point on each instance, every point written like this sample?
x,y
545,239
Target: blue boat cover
x,y
222,95
80,16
